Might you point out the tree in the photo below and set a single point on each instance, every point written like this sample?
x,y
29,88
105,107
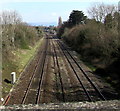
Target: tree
x,y
9,20
116,19
10,17
108,21
77,17
100,11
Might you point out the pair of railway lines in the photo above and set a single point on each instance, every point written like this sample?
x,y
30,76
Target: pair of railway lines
x,y
57,48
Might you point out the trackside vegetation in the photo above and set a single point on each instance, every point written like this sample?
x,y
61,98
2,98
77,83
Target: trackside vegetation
x,y
96,39
19,43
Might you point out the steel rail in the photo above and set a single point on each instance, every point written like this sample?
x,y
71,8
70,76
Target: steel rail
x,y
96,89
41,73
29,85
62,89
85,90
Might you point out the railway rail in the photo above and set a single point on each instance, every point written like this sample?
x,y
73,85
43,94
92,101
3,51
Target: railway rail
x,y
85,90
38,71
83,72
71,79
42,61
59,73
41,74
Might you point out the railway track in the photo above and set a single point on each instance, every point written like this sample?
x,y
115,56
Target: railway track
x,y
36,81
36,73
27,92
55,58
66,54
85,90
58,77
41,74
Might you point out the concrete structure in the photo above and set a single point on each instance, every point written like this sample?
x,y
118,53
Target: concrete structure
x,y
13,77
113,105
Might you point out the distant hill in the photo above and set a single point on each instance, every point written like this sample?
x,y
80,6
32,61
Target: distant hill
x,y
44,24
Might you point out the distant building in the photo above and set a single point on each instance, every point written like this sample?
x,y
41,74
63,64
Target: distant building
x,y
59,21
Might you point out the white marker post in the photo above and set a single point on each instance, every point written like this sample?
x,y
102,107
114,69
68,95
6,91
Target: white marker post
x,y
13,77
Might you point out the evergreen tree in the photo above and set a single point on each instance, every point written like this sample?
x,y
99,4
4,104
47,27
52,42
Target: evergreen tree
x,y
77,17
108,21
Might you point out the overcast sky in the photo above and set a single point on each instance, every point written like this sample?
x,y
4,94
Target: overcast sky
x,y
35,11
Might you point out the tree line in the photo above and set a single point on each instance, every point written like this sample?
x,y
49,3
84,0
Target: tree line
x,y
19,41
16,34
96,38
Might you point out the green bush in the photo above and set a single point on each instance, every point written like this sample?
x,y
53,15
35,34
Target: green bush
x,y
25,36
92,40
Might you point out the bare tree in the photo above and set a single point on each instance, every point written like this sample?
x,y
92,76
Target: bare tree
x,y
99,11
9,20
10,17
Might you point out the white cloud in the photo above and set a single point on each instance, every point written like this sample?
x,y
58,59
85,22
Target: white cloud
x,y
53,13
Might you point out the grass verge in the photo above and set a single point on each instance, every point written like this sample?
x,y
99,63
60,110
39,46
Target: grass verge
x,y
20,59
